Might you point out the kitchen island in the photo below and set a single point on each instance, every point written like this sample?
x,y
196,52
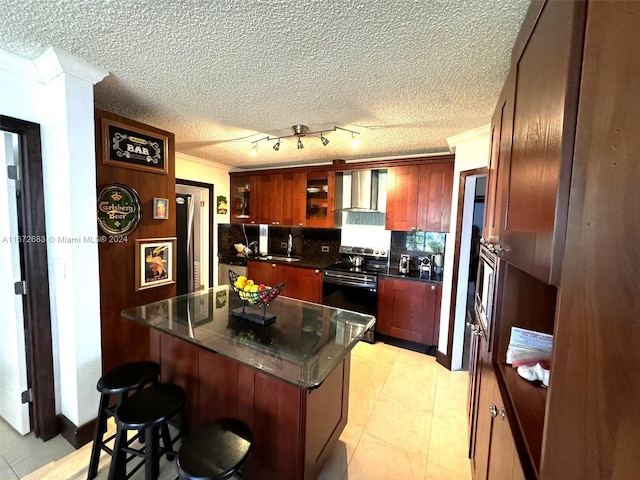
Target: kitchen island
x,y
289,380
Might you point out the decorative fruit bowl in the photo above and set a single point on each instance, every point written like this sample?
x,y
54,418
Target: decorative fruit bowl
x,y
253,295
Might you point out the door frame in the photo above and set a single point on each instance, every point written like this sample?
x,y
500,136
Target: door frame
x,y
210,187
448,357
33,256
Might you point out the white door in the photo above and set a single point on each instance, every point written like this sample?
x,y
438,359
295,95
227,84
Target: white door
x,y
13,360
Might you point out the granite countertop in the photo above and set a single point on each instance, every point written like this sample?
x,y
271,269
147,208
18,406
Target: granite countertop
x,y
315,263
322,263
414,275
302,346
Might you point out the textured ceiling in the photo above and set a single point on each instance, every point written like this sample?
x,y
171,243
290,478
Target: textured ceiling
x,y
222,73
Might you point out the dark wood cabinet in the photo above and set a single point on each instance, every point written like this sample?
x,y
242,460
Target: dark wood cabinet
x,y
303,283
279,198
567,186
503,461
409,310
268,199
419,197
300,283
293,198
533,132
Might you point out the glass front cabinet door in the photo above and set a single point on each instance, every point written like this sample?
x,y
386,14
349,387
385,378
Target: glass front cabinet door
x,y
241,211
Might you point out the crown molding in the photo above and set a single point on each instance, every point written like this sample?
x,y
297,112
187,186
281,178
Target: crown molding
x,y
18,65
468,136
54,62
202,161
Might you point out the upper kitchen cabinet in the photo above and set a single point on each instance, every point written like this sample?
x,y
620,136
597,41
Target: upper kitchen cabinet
x,y
242,199
419,197
533,132
269,199
320,192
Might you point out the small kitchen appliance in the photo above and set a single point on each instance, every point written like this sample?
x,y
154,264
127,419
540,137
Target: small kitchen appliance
x,y
437,264
425,268
404,267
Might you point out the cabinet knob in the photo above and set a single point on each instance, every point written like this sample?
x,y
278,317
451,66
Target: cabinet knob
x,y
433,287
413,229
273,265
494,412
316,271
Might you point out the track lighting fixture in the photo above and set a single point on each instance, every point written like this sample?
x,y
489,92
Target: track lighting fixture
x,y
300,131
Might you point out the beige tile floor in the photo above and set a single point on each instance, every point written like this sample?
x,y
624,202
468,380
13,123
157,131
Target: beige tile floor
x,y
407,420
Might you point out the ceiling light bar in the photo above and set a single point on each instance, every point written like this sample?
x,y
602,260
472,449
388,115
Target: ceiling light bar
x,y
299,131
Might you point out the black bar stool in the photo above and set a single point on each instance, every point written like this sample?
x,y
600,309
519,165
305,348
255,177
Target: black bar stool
x,y
215,451
148,411
120,382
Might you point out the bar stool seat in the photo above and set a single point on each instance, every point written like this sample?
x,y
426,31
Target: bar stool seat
x,y
215,451
119,381
148,411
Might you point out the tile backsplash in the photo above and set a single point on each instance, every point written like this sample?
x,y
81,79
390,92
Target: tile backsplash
x,y
416,244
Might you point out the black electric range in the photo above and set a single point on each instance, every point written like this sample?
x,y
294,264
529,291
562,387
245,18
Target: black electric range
x,y
352,282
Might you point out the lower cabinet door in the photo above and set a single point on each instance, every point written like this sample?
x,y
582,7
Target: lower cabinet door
x,y
503,457
408,309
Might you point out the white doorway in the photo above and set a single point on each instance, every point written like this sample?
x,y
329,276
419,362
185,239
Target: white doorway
x,y
201,195
13,357
470,220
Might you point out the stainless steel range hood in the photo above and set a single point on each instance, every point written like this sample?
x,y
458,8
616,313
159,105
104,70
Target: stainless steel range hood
x,y
364,191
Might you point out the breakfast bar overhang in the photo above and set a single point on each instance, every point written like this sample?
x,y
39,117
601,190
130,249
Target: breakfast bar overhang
x,y
289,380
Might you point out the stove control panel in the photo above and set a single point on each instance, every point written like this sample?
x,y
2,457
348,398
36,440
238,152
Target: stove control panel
x,y
366,251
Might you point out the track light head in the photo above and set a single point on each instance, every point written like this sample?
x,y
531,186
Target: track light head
x,y
276,147
300,145
324,140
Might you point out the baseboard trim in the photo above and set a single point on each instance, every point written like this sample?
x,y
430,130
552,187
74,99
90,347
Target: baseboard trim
x,y
443,359
76,436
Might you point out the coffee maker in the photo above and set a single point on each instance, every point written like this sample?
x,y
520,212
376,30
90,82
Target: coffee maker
x,y
425,267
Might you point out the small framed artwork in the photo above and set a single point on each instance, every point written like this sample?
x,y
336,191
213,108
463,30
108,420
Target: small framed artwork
x,y
160,208
130,147
155,262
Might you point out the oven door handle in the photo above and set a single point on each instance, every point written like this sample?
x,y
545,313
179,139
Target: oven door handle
x,y
351,282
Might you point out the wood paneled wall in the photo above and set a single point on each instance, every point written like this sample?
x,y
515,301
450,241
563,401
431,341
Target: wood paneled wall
x,y
124,340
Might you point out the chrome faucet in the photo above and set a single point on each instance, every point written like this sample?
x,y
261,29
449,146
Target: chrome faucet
x,y
253,244
289,245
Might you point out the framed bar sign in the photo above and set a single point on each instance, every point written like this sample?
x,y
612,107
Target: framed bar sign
x,y
131,147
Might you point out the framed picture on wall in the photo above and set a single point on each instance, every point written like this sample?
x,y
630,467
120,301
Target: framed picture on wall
x,y
130,147
160,208
155,262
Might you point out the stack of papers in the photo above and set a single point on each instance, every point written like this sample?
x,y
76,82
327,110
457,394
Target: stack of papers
x,y
528,347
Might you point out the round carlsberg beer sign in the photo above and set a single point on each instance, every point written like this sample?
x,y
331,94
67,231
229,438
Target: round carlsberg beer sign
x,y
118,209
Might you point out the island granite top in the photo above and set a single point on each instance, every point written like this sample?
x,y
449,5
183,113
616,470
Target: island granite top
x,y
302,346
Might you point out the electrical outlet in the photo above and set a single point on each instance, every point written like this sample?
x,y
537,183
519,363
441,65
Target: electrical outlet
x,y
324,248
283,244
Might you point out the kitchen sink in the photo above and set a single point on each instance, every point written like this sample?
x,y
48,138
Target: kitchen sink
x,y
279,258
